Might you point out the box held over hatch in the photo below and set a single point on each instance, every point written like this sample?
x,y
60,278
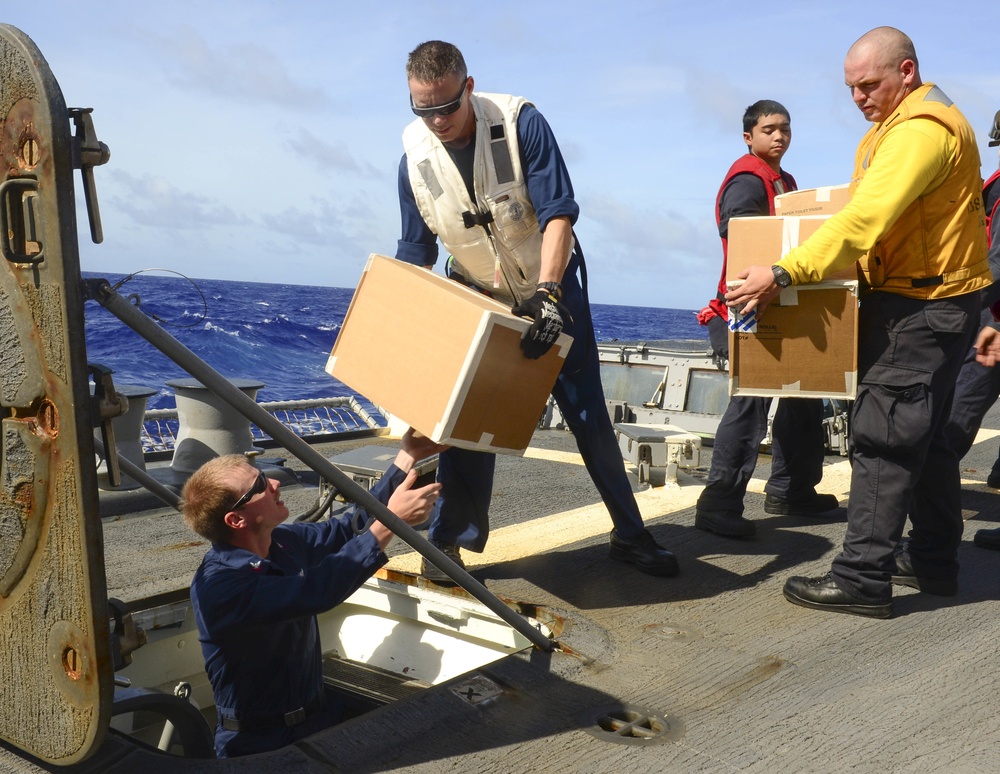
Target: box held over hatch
x,y
443,358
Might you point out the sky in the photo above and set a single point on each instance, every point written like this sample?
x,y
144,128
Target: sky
x,y
259,141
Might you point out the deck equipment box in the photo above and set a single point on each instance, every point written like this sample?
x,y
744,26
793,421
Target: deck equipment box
x,y
443,358
763,240
826,200
657,451
805,345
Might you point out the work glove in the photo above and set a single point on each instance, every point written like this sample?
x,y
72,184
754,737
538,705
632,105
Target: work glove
x,y
549,316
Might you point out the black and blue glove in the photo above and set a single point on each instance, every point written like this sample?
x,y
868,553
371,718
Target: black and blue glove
x,y
550,317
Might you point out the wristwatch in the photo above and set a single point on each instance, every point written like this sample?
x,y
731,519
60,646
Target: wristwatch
x,y
554,289
782,277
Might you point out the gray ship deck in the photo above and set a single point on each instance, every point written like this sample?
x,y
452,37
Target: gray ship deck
x,y
745,681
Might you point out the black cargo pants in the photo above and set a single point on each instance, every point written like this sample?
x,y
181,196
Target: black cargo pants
x,y
909,355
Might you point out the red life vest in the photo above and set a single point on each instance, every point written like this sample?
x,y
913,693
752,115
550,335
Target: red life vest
x,y
994,180
774,183
996,205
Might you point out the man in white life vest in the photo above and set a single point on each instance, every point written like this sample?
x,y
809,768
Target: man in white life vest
x,y
483,173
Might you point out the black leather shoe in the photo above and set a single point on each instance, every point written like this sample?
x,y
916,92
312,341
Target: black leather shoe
x,y
727,523
988,538
993,479
817,505
906,576
823,593
644,553
432,573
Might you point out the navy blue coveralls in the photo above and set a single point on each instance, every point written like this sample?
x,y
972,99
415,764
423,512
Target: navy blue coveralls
x,y
461,515
257,623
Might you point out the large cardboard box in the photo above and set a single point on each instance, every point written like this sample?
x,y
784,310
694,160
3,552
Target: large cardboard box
x,y
766,239
826,200
443,358
805,345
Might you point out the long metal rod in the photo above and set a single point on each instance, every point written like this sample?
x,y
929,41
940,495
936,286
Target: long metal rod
x,y
138,474
102,292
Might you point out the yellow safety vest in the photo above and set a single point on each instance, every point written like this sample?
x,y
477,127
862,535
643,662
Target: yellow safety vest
x,y
937,247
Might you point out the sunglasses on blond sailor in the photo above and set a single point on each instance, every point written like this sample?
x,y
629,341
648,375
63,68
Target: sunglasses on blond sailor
x,y
259,485
440,110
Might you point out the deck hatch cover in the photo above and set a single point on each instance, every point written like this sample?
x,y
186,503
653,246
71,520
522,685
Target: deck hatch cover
x,y
56,686
629,724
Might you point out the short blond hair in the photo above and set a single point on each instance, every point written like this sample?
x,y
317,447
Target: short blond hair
x,y
209,495
435,60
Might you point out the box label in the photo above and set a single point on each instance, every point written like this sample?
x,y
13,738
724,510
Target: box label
x,y
742,323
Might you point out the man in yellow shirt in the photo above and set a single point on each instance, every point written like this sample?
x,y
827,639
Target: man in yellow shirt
x,y
916,222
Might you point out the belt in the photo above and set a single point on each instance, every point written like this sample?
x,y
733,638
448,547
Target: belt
x,y
264,723
947,278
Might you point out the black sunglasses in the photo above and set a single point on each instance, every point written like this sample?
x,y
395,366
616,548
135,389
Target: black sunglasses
x,y
440,110
259,485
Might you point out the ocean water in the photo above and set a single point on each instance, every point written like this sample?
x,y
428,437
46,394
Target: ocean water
x,y
278,334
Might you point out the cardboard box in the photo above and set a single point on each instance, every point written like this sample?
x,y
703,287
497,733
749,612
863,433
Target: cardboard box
x,y
443,358
805,345
826,200
765,240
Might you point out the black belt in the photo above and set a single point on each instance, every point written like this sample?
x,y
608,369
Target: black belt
x,y
264,723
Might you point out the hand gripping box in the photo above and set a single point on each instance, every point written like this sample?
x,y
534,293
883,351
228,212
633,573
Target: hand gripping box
x,y
805,344
443,358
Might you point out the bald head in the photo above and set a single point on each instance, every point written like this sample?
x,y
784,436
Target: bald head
x,y
891,47
880,70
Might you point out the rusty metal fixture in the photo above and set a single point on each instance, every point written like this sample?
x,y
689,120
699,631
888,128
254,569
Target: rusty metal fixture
x,y
29,149
72,663
47,419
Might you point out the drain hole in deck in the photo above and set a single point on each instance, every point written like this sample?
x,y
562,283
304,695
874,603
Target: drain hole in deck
x,y
627,724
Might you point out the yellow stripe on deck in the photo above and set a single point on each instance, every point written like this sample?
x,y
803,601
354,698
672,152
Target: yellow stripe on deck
x,y
548,533
656,504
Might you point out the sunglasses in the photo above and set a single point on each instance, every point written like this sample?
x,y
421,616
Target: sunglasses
x,y
440,110
259,485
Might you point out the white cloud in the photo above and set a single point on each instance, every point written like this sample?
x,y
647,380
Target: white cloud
x,y
235,72
334,156
153,201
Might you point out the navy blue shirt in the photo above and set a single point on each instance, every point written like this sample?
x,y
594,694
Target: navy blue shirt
x,y
547,178
257,617
744,196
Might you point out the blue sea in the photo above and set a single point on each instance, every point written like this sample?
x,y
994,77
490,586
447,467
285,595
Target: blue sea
x,y
278,334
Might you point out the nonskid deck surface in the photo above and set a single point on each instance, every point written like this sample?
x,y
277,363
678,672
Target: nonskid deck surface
x,y
757,683
745,680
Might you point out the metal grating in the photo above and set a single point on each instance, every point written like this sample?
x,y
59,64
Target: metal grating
x,y
631,725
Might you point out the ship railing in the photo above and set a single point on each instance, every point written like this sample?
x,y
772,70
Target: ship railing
x,y
313,419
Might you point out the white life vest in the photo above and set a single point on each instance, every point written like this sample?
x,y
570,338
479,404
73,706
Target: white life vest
x,y
495,241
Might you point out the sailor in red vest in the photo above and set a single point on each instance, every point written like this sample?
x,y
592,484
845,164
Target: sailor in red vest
x,y
797,450
978,384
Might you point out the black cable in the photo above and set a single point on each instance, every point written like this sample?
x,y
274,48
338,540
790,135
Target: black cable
x,y
136,300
